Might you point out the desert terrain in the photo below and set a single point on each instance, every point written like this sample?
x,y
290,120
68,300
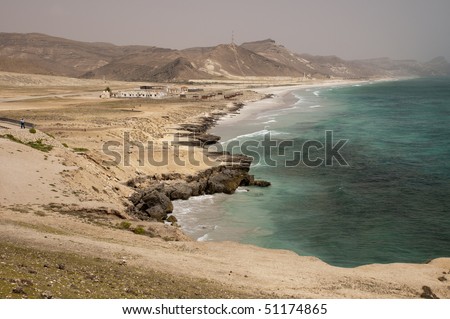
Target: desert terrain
x,y
66,230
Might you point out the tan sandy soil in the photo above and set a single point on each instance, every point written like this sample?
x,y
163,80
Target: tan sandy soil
x,y
248,269
69,200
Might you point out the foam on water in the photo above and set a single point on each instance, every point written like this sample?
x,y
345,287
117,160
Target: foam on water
x,y
203,238
390,205
256,134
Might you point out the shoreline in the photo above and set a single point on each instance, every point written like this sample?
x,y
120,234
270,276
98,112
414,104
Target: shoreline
x,y
208,229
68,201
277,96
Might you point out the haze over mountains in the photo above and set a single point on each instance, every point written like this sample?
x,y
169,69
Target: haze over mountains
x,y
43,54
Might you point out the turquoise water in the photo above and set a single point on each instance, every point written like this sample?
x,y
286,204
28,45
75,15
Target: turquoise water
x,y
390,204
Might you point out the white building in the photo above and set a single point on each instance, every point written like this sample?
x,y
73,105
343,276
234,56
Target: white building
x,y
150,94
105,95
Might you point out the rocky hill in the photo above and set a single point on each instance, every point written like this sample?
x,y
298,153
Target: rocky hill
x,y
42,54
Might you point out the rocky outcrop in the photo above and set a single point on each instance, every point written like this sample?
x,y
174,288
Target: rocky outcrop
x,y
195,134
151,204
193,139
153,196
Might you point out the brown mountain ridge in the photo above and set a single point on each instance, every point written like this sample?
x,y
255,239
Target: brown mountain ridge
x,y
42,54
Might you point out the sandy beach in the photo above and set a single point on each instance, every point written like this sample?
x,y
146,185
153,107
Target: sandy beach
x,y
71,201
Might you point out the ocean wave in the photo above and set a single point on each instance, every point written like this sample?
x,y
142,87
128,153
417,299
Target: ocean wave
x,y
316,93
315,106
279,111
297,96
258,164
203,238
257,134
268,116
201,198
300,99
269,121
254,134
294,107
183,210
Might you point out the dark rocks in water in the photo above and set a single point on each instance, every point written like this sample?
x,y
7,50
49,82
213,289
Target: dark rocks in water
x,y
204,138
207,139
251,181
195,128
236,107
198,188
427,293
178,191
197,135
236,161
190,142
261,183
225,181
153,202
172,219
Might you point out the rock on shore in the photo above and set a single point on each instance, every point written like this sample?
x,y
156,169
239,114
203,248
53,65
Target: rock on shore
x,y
153,196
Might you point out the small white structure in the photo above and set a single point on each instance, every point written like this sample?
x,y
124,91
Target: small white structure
x,y
141,94
105,95
173,90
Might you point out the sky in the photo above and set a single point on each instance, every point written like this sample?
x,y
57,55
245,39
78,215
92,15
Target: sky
x,y
350,29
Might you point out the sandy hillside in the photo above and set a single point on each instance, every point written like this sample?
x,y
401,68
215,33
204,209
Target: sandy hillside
x,y
60,197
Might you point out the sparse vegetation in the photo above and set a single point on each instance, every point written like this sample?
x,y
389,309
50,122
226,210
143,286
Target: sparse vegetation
x,y
32,273
139,230
124,225
11,138
40,146
65,145
80,150
32,130
50,135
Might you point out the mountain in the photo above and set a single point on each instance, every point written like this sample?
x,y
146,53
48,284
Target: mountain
x,y
39,53
43,54
275,52
228,60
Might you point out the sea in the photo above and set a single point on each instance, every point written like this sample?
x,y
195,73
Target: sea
x,y
360,174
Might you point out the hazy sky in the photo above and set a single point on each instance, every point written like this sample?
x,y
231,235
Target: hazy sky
x,y
417,29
